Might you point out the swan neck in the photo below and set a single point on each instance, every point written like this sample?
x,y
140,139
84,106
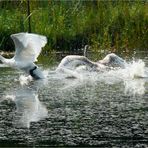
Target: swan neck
x,y
36,73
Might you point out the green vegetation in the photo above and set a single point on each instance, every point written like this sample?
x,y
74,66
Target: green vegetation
x,y
112,25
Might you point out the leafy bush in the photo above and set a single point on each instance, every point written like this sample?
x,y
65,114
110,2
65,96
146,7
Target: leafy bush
x,y
69,25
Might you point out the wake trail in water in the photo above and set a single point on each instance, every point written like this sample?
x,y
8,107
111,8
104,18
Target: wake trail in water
x,y
3,65
134,69
130,75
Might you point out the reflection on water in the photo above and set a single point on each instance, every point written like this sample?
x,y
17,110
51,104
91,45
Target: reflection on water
x,y
75,108
28,107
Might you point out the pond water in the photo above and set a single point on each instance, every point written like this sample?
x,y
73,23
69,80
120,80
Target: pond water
x,y
108,109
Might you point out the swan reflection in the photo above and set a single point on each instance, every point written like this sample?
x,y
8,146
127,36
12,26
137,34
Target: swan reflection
x,y
28,107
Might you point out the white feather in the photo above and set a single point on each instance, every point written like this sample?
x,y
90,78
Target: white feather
x,y
28,46
76,62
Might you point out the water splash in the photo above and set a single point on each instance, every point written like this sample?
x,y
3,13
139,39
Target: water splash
x,y
3,65
136,76
137,69
130,77
68,73
10,96
24,80
135,87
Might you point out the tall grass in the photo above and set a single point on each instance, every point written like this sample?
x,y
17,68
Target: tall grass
x,y
69,25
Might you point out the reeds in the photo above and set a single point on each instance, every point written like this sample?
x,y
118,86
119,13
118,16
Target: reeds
x,y
69,25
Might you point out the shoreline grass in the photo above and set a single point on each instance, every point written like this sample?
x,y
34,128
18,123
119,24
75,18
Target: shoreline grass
x,y
70,25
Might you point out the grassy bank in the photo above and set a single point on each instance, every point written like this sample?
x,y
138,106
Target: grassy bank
x,y
112,25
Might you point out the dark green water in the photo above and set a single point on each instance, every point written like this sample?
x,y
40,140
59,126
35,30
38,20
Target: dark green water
x,y
109,109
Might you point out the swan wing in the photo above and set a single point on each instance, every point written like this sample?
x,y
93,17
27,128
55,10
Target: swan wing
x,y
28,46
114,60
75,61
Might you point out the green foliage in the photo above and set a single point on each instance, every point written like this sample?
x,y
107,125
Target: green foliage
x,y
69,25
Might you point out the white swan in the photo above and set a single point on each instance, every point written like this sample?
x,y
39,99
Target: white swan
x,y
74,61
28,47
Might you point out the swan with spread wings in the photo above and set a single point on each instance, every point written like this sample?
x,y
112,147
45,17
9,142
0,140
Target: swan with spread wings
x,y
28,47
75,61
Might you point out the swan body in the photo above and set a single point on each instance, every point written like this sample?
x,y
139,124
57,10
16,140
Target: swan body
x,y
28,46
75,61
